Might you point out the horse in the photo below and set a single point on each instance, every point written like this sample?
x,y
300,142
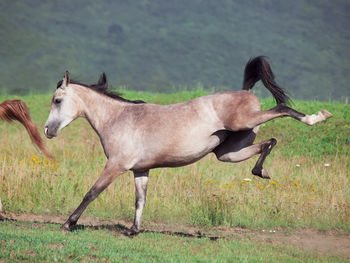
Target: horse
x,y
138,136
16,110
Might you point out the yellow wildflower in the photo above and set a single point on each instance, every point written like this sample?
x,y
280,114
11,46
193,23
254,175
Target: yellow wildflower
x,y
313,188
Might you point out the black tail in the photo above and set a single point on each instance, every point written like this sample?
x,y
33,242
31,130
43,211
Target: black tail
x,y
259,69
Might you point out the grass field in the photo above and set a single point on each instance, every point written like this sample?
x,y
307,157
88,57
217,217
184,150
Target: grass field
x,y
27,242
309,187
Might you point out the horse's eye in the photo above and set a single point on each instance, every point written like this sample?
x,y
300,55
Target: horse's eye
x,y
58,101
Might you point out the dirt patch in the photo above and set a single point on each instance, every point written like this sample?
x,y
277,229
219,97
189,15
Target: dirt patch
x,y
29,253
55,245
324,243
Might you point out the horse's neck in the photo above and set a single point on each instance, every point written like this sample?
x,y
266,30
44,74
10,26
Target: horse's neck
x,y
98,108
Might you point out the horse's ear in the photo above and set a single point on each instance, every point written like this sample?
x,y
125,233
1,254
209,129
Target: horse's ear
x,y
66,80
102,81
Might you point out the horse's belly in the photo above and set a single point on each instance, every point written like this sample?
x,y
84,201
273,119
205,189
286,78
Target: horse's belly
x,y
180,154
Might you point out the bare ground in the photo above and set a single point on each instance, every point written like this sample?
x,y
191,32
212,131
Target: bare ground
x,y
322,242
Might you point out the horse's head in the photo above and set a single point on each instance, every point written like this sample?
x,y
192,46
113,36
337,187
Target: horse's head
x,y
64,108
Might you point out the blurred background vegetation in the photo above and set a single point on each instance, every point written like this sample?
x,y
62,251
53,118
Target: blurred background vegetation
x,y
167,46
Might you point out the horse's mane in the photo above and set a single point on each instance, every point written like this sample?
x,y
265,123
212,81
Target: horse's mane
x,y
17,110
102,87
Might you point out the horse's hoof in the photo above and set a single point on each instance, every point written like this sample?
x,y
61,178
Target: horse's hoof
x,y
131,233
262,173
65,228
326,114
265,174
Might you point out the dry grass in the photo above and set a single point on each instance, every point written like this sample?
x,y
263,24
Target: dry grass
x,y
302,192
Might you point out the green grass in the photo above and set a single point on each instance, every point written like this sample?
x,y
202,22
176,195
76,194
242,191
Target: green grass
x,y
303,191
36,242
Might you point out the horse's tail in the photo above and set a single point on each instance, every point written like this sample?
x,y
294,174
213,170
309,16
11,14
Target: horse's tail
x,y
16,110
259,69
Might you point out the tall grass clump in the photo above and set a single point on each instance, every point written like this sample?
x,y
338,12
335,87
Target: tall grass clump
x,y
309,169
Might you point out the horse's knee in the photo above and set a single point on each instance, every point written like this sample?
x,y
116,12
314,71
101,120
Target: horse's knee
x,y
90,195
270,145
140,202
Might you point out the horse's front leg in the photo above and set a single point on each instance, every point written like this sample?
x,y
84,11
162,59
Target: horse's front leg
x,y
110,172
141,180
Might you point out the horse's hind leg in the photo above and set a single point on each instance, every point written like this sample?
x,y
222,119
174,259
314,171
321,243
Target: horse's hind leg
x,y
239,147
250,120
307,119
141,180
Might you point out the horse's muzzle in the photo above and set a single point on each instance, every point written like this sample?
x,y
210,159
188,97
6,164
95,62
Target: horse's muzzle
x,y
47,134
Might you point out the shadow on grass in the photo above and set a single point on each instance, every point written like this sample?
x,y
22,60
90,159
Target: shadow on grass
x,y
114,228
119,228
122,229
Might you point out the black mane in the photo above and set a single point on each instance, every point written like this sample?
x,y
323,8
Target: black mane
x,y
102,87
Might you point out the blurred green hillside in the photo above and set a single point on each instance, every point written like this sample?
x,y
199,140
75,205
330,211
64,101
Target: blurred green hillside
x,y
174,45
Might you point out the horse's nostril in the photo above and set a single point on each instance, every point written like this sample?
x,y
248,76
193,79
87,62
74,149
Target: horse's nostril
x,y
45,130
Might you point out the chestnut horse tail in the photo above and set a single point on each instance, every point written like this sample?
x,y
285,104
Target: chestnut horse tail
x,y
259,69
16,110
